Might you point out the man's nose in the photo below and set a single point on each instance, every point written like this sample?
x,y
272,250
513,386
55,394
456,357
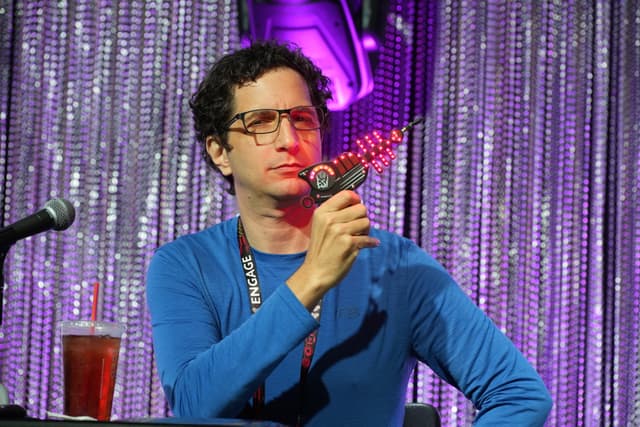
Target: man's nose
x,y
287,137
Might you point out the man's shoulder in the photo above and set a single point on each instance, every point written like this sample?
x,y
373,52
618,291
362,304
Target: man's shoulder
x,y
395,246
390,237
212,236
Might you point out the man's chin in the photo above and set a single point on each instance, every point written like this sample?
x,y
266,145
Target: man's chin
x,y
294,192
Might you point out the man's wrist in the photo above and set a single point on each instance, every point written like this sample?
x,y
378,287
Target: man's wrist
x,y
306,288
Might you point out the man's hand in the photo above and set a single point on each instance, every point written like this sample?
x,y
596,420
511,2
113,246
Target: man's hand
x,y
339,230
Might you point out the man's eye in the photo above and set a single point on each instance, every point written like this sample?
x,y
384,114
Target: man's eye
x,y
259,120
304,117
255,122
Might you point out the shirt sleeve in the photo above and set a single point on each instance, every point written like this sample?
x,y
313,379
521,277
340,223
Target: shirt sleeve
x,y
203,373
466,349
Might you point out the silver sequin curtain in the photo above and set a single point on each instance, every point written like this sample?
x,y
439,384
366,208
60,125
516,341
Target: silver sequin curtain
x,y
524,181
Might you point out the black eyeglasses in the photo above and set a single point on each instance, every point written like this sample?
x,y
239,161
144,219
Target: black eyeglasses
x,y
267,120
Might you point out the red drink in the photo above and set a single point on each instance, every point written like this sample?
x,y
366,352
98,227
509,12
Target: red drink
x,y
90,363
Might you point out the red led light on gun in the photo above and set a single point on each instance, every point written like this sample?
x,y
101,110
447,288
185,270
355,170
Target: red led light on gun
x,y
376,150
325,168
349,170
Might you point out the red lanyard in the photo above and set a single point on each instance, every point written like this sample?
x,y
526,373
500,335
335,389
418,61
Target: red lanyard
x,y
255,298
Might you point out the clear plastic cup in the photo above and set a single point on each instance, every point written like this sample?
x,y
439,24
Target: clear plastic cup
x,y
90,352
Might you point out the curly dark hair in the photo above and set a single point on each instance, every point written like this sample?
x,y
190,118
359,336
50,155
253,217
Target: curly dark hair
x,y
213,103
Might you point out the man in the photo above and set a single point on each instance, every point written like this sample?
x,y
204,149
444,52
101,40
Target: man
x,y
342,311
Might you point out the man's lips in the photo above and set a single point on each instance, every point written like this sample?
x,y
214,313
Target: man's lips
x,y
288,167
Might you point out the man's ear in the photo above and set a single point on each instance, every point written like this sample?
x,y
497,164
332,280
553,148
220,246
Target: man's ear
x,y
218,154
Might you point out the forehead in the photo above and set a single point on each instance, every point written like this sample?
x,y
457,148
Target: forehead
x,y
278,88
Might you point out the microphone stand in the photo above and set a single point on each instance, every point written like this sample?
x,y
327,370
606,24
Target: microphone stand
x,y
7,411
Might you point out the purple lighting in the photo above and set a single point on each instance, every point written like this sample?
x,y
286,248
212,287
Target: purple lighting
x,y
369,43
325,32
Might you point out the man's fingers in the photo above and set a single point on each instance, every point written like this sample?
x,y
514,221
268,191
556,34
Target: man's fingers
x,y
341,200
363,242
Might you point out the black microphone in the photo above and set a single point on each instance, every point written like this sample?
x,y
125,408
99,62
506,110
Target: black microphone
x,y
58,214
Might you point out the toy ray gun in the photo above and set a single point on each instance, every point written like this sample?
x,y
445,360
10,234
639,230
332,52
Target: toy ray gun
x,y
349,170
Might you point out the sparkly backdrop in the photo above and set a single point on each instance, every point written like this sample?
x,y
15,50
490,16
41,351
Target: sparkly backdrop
x,y
524,180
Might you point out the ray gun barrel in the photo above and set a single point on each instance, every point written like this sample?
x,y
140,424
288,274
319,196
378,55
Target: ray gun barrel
x,y
349,170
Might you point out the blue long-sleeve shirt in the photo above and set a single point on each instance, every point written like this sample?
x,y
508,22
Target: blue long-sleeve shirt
x,y
396,305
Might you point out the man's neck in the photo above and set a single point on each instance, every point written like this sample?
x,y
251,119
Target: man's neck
x,y
277,229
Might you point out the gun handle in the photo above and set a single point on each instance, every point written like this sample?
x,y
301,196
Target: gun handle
x,y
345,172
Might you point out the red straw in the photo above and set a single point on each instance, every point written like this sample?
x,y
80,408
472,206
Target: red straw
x,y
94,306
